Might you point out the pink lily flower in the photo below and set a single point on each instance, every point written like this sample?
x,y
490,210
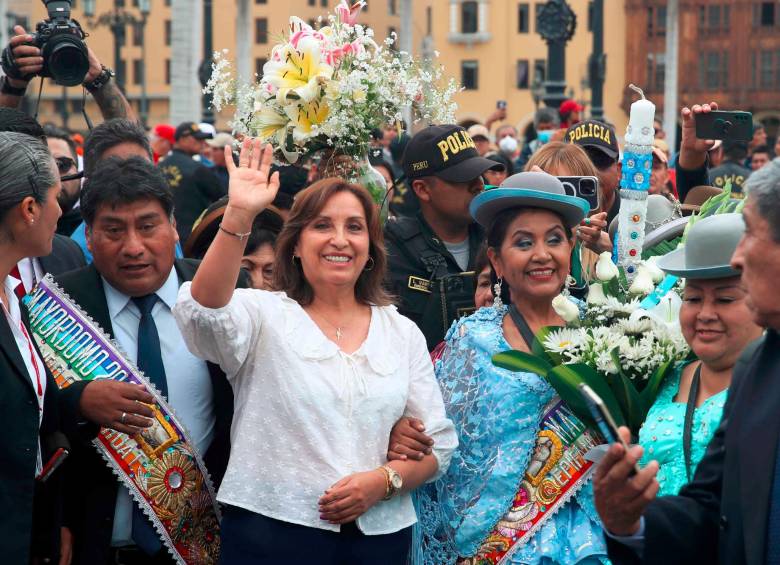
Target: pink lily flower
x,y
348,14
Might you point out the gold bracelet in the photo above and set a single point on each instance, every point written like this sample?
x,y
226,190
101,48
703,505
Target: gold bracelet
x,y
388,484
240,236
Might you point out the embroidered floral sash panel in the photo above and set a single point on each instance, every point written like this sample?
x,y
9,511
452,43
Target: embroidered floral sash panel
x,y
557,470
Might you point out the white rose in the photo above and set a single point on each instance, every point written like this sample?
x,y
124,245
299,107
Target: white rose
x,y
606,270
652,267
643,283
565,308
596,294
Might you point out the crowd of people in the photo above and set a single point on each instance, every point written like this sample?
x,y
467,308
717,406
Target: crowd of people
x,y
335,374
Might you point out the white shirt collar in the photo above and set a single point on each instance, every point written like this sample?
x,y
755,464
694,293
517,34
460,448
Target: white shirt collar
x,y
12,307
118,301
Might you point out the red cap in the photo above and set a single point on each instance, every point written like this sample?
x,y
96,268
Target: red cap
x,y
165,131
570,106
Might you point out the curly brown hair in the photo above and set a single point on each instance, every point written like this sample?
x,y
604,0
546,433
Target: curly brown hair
x,y
288,274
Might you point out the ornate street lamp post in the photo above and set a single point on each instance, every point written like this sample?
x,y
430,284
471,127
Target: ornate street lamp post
x,y
204,72
597,62
555,22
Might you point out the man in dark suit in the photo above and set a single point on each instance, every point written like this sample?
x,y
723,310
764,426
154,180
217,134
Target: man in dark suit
x,y
65,254
128,207
730,512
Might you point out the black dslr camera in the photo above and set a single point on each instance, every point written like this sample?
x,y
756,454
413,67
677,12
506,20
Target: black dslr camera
x,y
60,40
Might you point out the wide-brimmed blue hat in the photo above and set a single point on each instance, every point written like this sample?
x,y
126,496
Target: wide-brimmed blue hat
x,y
708,249
531,189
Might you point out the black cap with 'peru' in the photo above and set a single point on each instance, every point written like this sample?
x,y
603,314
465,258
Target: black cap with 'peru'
x,y
447,152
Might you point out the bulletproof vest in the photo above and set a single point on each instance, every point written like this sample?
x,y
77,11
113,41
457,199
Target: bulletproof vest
x,y
446,296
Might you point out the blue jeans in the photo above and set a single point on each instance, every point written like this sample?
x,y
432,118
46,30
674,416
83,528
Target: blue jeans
x,y
250,538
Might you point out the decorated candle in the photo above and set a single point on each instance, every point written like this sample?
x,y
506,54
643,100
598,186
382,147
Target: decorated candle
x,y
634,184
640,123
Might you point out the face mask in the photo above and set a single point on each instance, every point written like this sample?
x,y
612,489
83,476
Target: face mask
x,y
508,145
544,136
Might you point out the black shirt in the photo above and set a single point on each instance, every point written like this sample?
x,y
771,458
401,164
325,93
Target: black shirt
x,y
432,289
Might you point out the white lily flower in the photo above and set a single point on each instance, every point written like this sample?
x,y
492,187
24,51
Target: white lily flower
x,y
596,295
298,73
666,313
606,270
643,282
565,308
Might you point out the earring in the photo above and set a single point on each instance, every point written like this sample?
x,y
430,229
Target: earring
x,y
498,304
294,258
371,268
570,281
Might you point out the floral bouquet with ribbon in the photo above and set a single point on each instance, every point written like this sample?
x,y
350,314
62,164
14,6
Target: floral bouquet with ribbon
x,y
611,343
327,88
624,340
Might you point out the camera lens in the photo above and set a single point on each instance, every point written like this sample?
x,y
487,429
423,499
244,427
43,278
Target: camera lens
x,y
587,187
66,58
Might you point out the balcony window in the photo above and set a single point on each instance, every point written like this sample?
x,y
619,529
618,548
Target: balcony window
x,y
523,70
469,75
469,17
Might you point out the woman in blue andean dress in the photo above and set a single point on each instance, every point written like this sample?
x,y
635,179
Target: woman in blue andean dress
x,y
503,498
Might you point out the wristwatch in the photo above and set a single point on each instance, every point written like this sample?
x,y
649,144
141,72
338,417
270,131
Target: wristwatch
x,y
394,481
100,81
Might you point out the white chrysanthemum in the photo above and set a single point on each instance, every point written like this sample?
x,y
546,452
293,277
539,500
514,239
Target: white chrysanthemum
x,y
605,364
562,340
636,328
617,306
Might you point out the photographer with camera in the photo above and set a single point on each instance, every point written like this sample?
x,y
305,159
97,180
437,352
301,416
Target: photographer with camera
x,y
57,50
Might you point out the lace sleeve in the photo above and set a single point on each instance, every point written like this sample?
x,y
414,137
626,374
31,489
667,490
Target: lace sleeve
x,y
425,402
220,335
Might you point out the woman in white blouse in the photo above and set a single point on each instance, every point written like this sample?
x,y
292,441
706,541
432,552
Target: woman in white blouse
x,y
321,371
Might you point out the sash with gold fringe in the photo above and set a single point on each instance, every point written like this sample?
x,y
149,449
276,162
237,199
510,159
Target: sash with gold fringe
x,y
556,471
160,466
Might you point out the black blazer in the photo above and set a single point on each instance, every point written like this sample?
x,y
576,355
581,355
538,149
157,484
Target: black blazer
x,y
722,515
66,255
18,453
92,487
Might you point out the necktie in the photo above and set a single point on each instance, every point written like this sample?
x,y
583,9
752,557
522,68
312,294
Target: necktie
x,y
150,362
19,290
149,355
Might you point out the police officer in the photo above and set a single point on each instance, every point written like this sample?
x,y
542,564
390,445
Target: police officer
x,y
431,254
194,186
599,141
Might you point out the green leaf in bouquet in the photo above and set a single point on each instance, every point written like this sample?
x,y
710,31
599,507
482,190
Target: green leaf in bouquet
x,y
520,361
627,396
612,287
565,379
661,248
537,348
648,394
623,279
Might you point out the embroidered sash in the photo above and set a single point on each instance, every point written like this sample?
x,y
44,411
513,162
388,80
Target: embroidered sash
x,y
556,471
160,466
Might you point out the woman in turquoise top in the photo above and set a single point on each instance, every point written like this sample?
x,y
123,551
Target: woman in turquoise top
x,y
498,488
717,324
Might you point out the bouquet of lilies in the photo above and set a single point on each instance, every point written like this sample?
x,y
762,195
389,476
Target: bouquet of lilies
x,y
329,87
616,343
